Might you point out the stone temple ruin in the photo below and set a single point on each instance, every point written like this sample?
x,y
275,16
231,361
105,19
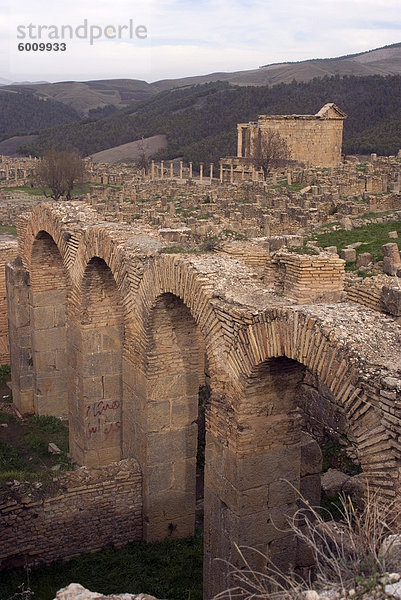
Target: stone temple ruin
x,y
313,140
108,329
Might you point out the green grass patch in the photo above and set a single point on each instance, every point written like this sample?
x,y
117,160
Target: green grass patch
x,y
6,417
372,237
10,459
26,452
170,569
27,189
292,187
5,374
10,229
78,190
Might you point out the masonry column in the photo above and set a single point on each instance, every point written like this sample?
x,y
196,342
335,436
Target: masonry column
x,y
239,140
20,339
247,502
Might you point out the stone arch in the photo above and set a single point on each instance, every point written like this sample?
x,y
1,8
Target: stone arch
x,y
173,316
303,338
162,413
47,301
263,438
178,276
96,337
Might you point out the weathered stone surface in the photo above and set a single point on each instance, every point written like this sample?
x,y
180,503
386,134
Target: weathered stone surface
x,y
348,254
75,591
391,298
333,481
145,328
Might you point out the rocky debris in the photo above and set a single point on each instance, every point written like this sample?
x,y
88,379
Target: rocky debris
x,y
75,591
391,551
333,482
391,298
53,448
348,254
392,259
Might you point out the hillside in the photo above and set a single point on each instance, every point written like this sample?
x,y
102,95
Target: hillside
x,y
85,96
200,121
23,113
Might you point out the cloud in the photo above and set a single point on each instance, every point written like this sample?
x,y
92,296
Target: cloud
x,y
189,37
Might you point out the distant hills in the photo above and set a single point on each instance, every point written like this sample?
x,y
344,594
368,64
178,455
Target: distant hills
x,y
199,122
84,96
196,117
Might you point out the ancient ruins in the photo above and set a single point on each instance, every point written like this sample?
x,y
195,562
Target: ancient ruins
x,y
117,316
314,140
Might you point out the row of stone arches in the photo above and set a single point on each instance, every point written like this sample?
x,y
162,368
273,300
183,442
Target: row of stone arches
x,y
121,341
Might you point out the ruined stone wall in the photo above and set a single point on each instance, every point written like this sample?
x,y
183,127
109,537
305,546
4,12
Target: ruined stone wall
x,y
258,344
14,204
311,141
83,511
8,251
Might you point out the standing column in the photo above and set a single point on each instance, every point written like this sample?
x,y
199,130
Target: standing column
x,y
221,172
201,172
231,173
171,170
153,169
239,141
190,170
181,169
161,169
211,172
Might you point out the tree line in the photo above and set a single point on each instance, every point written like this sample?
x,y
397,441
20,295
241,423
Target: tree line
x,y
200,121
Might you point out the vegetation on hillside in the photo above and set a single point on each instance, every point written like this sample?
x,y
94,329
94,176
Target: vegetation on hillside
x,y
24,113
200,121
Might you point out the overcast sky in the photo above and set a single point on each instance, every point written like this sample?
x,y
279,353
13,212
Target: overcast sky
x,y
186,37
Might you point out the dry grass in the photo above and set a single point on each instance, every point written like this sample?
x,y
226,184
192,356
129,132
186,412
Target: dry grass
x,y
348,553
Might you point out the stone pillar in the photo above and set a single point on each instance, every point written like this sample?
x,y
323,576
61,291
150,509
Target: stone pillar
x,y
201,172
231,173
221,172
153,170
7,172
239,141
162,169
95,342
190,170
47,316
16,172
289,178
171,170
20,338
160,428
247,503
211,172
242,173
181,170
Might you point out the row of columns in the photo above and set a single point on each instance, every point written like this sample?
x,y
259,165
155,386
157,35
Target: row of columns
x,y
160,171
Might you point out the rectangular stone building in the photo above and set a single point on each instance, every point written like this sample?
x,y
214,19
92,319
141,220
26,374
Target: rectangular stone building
x,y
314,140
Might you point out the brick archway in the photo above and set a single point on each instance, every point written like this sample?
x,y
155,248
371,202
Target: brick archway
x,y
169,305
261,445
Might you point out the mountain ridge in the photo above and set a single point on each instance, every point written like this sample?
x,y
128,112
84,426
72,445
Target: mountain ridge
x,y
89,95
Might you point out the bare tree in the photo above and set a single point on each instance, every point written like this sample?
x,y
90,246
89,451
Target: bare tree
x,y
270,152
59,170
